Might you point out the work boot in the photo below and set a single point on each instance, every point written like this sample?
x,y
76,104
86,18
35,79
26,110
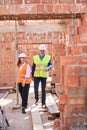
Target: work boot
x,y
36,102
23,110
44,106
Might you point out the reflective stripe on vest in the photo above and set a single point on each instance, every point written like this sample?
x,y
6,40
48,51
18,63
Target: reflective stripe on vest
x,y
21,75
41,65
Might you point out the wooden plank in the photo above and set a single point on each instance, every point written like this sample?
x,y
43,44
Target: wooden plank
x,y
3,95
55,98
53,116
41,16
36,119
51,104
42,110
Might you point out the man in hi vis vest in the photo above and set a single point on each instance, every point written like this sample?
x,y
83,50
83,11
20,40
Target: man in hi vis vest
x,y
41,65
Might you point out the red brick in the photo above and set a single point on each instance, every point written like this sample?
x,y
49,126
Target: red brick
x,y
75,39
32,9
77,101
32,1
85,49
67,110
82,60
82,39
12,2
63,99
83,81
67,1
4,9
68,50
63,127
40,9
77,92
84,19
43,35
59,89
56,123
82,29
19,8
60,107
75,50
16,2
83,9
67,90
74,109
69,60
66,8
81,1
48,8
74,8
70,121
1,2
78,70
72,70
49,35
71,81
57,9
85,70
49,1
62,74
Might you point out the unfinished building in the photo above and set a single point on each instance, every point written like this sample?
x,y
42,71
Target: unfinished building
x,y
62,26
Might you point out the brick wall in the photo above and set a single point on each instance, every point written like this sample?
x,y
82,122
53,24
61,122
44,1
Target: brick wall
x,y
7,59
29,42
73,100
42,6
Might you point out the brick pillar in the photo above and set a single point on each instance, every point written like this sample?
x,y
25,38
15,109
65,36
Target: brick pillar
x,y
73,99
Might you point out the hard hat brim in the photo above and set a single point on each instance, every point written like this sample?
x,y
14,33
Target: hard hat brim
x,y
22,55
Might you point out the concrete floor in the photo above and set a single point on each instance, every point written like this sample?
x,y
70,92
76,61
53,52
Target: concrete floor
x,y
19,121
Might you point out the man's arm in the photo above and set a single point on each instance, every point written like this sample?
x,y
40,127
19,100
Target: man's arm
x,y
49,67
33,69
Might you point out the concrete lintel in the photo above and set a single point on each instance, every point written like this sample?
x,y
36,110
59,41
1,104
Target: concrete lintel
x,y
41,16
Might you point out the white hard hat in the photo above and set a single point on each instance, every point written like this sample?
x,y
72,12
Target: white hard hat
x,y
22,55
42,47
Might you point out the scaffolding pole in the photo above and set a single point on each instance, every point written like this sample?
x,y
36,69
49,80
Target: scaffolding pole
x,y
16,46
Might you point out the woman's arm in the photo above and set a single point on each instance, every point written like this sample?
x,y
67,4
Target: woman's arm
x,y
28,74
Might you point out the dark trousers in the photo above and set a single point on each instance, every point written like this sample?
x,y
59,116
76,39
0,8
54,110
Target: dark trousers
x,y
43,86
24,93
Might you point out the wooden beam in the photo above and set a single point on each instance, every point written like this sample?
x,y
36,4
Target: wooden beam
x,y
51,104
41,16
36,119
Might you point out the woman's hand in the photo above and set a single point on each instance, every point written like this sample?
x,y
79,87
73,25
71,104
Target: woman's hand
x,y
23,84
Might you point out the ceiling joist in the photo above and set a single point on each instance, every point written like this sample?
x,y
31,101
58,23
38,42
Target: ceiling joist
x,y
41,16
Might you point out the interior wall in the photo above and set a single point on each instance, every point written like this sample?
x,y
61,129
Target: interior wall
x,y
28,38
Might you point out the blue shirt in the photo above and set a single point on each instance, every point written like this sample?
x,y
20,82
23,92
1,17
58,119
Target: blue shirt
x,y
41,56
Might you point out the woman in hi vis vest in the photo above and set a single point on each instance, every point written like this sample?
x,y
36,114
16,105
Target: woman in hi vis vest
x,y
24,79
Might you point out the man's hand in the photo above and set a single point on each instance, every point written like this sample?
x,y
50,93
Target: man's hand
x,y
46,69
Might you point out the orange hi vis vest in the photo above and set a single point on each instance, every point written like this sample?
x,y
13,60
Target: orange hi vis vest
x,y
22,73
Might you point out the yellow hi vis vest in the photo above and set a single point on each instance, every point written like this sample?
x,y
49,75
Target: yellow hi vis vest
x,y
41,65
22,73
